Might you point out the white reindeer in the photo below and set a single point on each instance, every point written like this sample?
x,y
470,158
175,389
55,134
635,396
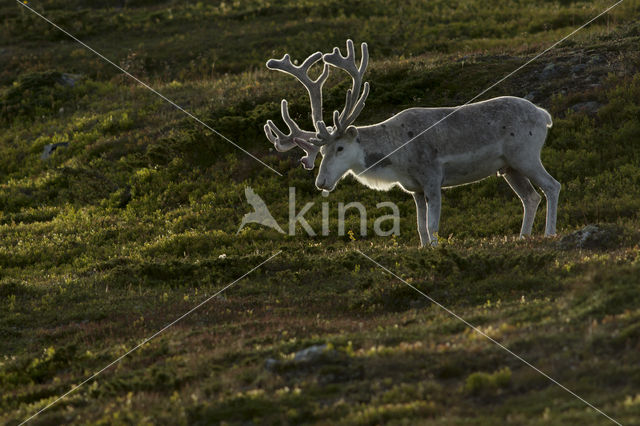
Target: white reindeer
x,y
503,135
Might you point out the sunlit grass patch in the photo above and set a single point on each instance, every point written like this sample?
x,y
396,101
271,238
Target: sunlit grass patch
x,y
486,383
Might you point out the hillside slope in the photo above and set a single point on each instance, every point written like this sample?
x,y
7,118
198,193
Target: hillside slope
x,y
134,222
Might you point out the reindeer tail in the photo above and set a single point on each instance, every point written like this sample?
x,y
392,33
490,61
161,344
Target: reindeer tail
x,y
547,116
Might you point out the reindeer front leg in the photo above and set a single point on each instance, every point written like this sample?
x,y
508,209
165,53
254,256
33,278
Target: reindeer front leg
x,y
421,214
433,194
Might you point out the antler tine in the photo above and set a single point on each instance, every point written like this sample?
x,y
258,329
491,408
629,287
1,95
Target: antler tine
x,y
338,128
278,138
267,131
324,136
364,62
312,59
284,110
272,131
298,71
348,105
310,149
357,109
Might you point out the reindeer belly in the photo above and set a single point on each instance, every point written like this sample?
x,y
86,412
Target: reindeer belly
x,y
385,178
463,168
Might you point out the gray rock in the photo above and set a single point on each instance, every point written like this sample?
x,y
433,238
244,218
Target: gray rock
x,y
311,353
593,237
270,364
578,68
597,59
48,149
69,80
305,356
576,59
550,70
589,108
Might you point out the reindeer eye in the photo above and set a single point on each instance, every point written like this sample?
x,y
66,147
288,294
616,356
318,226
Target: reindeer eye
x,y
340,149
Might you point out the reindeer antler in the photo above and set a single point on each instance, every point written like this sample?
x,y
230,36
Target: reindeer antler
x,y
314,87
284,142
354,103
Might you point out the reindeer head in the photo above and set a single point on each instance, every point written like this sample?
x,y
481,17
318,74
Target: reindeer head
x,y
338,144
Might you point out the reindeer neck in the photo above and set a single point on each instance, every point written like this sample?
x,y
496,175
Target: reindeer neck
x,y
371,140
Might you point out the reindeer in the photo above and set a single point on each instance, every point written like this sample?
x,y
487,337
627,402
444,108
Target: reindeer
x,y
463,144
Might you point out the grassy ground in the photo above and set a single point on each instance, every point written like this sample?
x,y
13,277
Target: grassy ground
x,y
135,222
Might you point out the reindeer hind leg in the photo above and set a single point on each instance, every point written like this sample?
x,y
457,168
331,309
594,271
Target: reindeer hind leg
x,y
537,174
527,194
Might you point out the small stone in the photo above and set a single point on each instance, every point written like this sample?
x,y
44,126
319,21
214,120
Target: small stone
x,y
270,364
550,70
578,68
597,59
48,149
69,80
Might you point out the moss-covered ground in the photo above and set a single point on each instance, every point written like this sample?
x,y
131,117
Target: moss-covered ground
x,y
134,223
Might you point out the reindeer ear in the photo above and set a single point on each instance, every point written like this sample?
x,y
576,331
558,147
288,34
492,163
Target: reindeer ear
x,y
352,132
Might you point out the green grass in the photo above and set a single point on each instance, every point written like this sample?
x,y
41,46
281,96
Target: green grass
x,y
135,222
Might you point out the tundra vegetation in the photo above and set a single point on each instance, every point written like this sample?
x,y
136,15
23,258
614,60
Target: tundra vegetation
x,y
134,222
